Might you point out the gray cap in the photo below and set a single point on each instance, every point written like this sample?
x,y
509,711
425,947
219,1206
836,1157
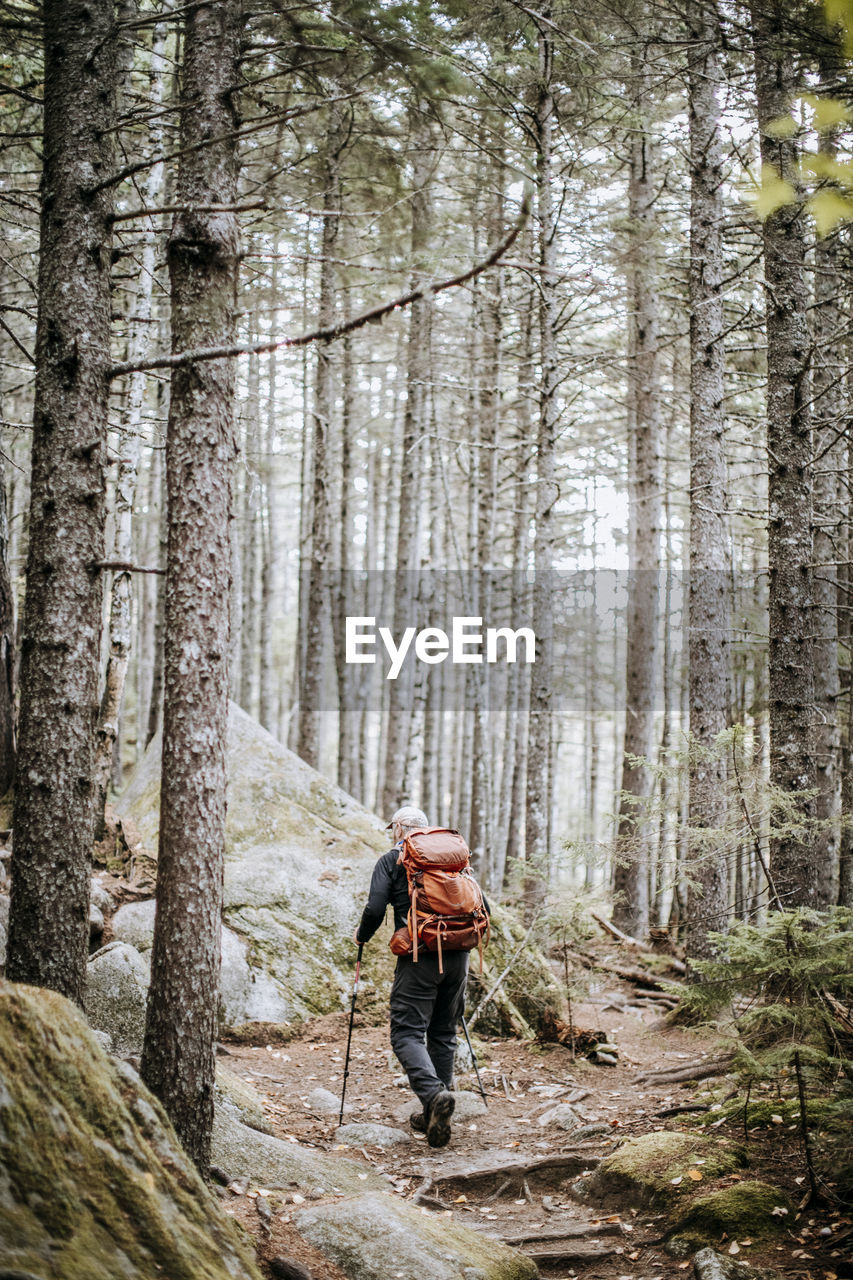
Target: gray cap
x,y
408,816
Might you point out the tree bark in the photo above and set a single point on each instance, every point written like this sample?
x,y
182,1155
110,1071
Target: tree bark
x,y
120,628
414,425
630,883
178,1058
538,797
830,445
54,793
317,621
789,532
708,594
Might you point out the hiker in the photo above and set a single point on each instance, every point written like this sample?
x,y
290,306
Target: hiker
x,y
428,994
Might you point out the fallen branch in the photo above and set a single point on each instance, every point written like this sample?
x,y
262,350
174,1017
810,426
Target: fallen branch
x,y
330,332
640,977
625,938
486,998
694,1071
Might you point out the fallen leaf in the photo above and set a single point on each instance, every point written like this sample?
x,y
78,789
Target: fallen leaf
x,y
734,1247
676,1181
695,1175
463,1199
777,1119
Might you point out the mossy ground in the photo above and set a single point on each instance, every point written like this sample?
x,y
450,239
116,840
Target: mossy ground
x,y
744,1209
661,1169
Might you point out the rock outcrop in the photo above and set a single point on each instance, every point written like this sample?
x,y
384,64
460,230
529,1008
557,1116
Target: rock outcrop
x,y
299,856
93,1182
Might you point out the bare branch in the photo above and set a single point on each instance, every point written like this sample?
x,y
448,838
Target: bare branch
x,y
332,332
181,208
122,566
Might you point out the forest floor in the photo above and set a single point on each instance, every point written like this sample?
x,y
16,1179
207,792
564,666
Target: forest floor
x,y
533,1209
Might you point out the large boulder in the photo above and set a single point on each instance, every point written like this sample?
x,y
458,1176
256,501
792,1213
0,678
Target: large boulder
x,y
375,1237
93,1182
299,856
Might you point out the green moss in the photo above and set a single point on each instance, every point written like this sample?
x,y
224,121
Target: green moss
x,y
761,1111
95,1182
742,1210
642,1170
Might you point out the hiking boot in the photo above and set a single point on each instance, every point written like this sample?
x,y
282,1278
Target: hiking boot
x,y
418,1121
438,1113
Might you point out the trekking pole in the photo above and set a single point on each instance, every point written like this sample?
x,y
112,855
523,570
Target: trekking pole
x,y
473,1059
349,1036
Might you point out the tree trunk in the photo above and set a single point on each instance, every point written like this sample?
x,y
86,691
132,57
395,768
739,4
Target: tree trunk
x,y
630,885
178,1058
789,533
120,629
54,794
830,447
538,798
7,649
414,425
708,596
318,600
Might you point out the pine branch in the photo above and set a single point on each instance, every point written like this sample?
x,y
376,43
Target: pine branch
x,y
329,334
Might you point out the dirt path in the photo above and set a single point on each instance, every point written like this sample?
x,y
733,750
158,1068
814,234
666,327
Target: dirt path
x,y
522,1194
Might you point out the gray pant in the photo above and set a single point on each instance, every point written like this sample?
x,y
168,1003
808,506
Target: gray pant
x,y
426,1007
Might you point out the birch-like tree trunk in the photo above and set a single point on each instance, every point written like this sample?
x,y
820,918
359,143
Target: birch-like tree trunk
x,y
54,792
630,881
178,1057
789,531
708,585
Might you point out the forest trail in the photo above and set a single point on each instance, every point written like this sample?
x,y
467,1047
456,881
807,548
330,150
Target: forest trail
x,y
505,1172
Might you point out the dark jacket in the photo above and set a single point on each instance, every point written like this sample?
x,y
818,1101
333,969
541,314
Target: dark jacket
x,y
388,885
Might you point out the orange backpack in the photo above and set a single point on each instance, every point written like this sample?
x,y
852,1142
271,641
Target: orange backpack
x,y
447,912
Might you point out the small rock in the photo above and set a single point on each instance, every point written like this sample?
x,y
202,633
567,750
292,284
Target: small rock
x,y
468,1105
589,1131
134,923
324,1100
604,1059
96,921
563,1115
101,899
370,1135
219,1175
710,1265
289,1269
262,1205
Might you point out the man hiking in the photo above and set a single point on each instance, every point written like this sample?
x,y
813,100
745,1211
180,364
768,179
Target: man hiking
x,y
428,994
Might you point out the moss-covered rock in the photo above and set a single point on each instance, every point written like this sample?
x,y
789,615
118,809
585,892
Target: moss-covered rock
x,y
655,1169
376,1236
743,1209
93,1182
299,857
